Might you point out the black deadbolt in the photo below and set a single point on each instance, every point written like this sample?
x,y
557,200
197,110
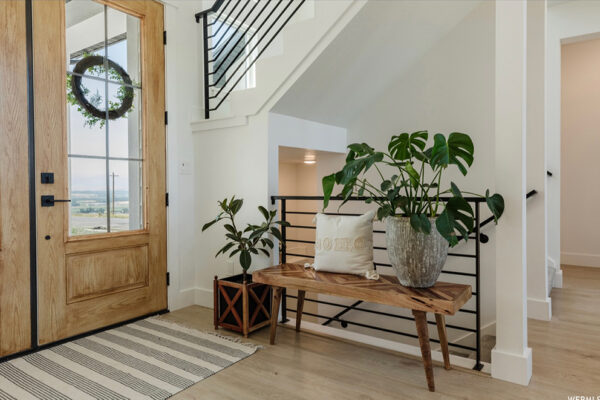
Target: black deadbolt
x,y
47,177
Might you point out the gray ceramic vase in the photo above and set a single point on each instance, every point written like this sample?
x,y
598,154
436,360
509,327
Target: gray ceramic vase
x,y
417,258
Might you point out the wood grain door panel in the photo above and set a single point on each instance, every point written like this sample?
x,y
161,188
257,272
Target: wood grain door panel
x,y
101,273
85,283
15,330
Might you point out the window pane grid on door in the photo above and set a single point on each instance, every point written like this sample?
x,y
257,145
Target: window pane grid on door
x,y
105,158
104,79
105,124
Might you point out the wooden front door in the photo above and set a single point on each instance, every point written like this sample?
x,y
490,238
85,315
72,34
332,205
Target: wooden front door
x,y
15,333
98,70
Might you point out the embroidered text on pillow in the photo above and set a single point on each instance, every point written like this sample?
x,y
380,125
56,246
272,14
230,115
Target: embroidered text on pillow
x,y
343,244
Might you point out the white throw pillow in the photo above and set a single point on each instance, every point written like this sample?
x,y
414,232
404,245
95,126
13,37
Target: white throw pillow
x,y
344,244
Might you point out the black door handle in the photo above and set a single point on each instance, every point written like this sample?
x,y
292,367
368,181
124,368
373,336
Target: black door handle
x,y
48,201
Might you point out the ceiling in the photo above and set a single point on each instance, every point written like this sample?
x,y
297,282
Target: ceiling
x,y
373,50
295,155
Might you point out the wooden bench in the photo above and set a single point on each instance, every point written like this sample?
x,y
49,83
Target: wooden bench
x,y
441,299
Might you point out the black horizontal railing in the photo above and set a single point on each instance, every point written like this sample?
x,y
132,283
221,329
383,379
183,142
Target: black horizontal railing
x,y
235,34
471,278
490,219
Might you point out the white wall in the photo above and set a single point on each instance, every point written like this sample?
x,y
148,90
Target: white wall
x,y
210,160
182,89
304,37
383,41
451,88
511,358
299,179
568,20
300,133
241,161
326,140
539,303
580,139
228,162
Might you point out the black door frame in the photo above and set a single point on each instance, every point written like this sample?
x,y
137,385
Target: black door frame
x,y
32,195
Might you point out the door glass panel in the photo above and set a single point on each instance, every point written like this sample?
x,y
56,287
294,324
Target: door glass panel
x,y
87,135
125,133
104,105
125,195
85,31
124,47
88,196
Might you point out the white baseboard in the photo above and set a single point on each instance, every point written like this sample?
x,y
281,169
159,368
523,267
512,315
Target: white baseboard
x,y
385,344
539,308
204,297
580,259
512,367
181,299
558,279
191,296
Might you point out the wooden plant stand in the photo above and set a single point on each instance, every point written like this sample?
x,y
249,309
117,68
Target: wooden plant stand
x,y
241,306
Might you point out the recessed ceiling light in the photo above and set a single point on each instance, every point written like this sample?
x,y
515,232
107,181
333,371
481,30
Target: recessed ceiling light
x,y
310,161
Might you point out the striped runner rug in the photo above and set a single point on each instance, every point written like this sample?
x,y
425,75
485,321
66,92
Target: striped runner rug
x,y
148,359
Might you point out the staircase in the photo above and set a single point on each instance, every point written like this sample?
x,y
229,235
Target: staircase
x,y
255,50
236,33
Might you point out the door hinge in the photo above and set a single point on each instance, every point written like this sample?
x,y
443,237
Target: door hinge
x,y
166,118
168,278
167,199
164,37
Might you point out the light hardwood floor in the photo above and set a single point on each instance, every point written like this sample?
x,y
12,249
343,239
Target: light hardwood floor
x,y
566,360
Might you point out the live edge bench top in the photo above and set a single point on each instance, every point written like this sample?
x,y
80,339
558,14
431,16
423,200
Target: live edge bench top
x,y
443,298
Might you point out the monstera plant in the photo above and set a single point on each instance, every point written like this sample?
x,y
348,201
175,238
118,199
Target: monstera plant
x,y
405,183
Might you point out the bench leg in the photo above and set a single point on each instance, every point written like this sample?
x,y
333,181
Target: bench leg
x,y
422,330
275,312
440,321
299,308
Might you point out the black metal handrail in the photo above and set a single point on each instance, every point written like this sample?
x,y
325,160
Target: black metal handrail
x,y
338,317
217,4
235,35
490,219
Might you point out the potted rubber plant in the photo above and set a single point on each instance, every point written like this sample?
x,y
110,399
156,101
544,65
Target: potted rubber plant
x,y
420,225
240,304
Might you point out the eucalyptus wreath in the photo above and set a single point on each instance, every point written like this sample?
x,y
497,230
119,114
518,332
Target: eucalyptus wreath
x,y
87,103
